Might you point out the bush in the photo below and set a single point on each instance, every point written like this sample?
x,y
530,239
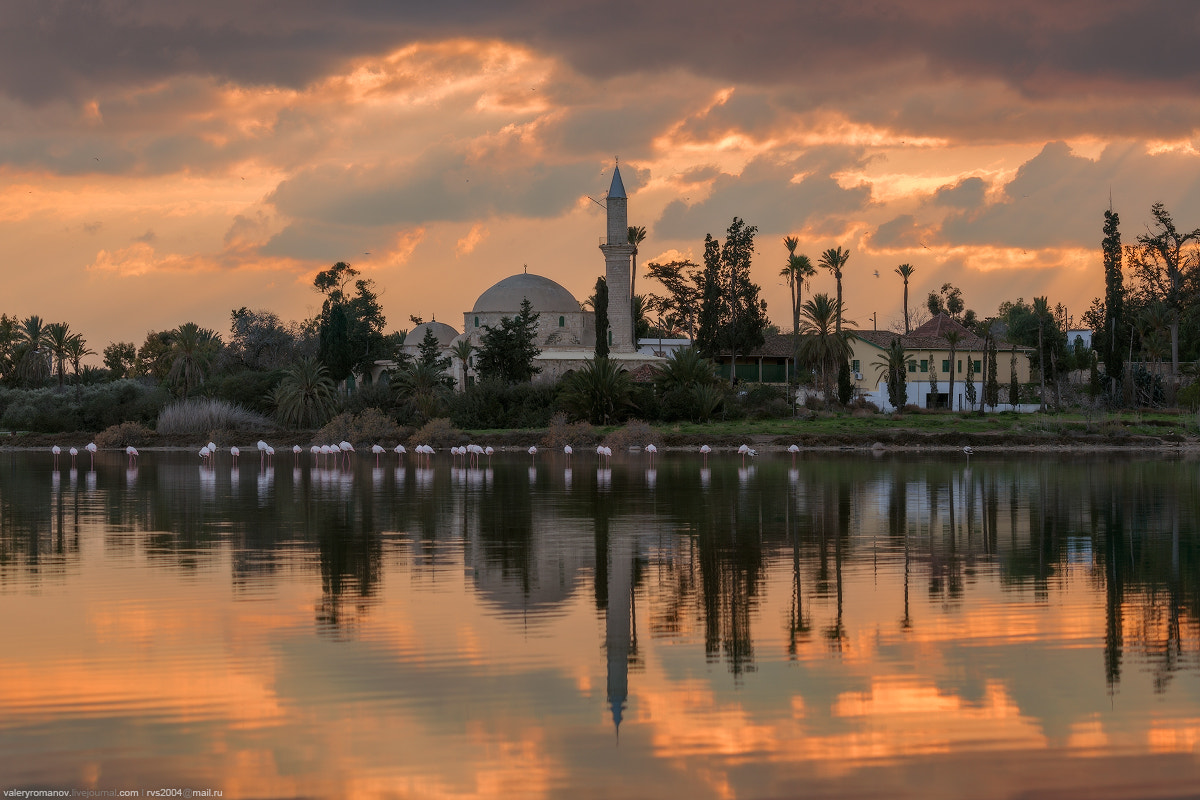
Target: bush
x,y
374,396
124,435
634,433
437,432
82,408
202,415
1189,396
562,432
499,405
370,427
249,389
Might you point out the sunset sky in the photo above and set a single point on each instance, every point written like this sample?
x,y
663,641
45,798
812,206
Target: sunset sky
x,y
167,162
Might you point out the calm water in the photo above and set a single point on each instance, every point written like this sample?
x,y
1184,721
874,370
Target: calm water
x,y
847,626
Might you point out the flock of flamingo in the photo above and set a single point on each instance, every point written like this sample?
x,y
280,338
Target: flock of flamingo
x,y
330,455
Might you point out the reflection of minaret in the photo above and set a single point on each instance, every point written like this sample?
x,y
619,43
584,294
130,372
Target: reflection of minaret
x,y
617,254
617,624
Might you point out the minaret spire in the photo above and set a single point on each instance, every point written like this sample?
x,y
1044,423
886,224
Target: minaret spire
x,y
617,254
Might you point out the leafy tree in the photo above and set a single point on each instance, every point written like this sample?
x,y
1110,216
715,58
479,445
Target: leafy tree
x,y
258,340
600,304
641,322
599,392
732,317
350,326
892,366
121,359
429,352
948,300
506,353
906,271
154,356
834,259
845,387
1166,262
306,397
683,281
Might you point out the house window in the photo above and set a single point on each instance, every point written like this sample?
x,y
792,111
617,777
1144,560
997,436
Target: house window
x,y
946,365
959,365
854,366
924,365
610,338
912,366
477,322
977,366
562,322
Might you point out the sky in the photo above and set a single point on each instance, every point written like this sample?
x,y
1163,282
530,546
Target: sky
x,y
170,162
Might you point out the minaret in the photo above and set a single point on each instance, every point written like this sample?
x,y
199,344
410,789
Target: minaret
x,y
617,254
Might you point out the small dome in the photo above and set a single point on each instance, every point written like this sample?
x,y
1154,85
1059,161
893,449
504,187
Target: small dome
x,y
544,295
444,333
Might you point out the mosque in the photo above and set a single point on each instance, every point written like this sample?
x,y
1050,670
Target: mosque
x,y
566,332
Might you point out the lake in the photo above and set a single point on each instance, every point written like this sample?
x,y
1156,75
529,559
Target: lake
x,y
848,624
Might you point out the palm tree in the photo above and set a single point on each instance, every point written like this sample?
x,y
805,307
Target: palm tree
x,y
598,392
893,365
306,396
833,260
31,354
905,271
58,334
462,350
684,369
952,338
1041,309
798,271
421,385
77,349
822,345
192,351
637,235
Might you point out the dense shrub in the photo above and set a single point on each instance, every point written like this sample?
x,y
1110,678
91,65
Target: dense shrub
x,y
1188,397
438,433
499,405
204,414
561,432
123,435
369,427
379,396
249,389
634,433
82,408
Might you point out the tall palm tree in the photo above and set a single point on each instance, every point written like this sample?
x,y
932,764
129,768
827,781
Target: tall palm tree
x,y
462,350
1041,310
905,271
822,346
637,235
77,349
833,260
798,271
192,351
33,358
952,338
58,335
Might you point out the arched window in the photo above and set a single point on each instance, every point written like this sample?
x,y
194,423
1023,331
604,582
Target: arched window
x,y
610,338
477,322
562,322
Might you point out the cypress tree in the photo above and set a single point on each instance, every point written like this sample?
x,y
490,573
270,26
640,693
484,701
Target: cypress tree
x,y
601,318
1114,302
1014,388
991,392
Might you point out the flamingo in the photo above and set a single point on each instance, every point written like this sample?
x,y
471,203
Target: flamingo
x,y
704,451
132,452
968,452
270,454
399,451
262,451
488,452
651,449
475,451
532,453
235,452
204,454
297,450
567,449
746,450
377,450
56,450
74,452
91,448
793,449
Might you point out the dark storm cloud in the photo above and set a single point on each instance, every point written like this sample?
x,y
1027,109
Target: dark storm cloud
x,y
896,233
51,49
966,194
1058,198
766,195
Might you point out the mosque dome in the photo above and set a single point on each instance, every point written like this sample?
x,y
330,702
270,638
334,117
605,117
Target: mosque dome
x,y
544,296
445,334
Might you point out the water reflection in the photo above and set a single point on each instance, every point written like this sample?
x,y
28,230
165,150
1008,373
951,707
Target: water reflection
x,y
859,595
